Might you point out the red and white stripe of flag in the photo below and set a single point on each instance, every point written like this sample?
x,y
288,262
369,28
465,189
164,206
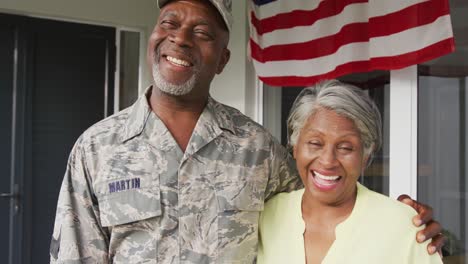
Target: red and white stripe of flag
x,y
300,42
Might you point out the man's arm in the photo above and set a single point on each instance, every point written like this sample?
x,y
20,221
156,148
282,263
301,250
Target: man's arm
x,y
78,236
283,176
432,230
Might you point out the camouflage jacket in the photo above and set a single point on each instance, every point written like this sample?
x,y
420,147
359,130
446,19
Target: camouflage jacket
x,y
130,195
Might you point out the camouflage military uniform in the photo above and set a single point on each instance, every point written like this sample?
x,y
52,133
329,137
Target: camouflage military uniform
x,y
130,195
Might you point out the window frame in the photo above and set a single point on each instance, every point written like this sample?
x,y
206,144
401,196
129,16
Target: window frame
x,y
403,169
142,53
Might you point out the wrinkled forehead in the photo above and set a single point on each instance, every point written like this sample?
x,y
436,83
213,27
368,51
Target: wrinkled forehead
x,y
191,5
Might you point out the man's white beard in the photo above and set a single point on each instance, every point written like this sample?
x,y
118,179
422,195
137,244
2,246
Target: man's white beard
x,y
170,88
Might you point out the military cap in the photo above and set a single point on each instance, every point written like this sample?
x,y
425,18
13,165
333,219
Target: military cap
x,y
224,7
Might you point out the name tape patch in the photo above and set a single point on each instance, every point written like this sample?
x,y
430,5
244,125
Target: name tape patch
x,y
122,185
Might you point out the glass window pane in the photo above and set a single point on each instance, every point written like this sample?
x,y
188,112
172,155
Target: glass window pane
x,y
442,145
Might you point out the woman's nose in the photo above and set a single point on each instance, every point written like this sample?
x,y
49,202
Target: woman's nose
x,y
328,158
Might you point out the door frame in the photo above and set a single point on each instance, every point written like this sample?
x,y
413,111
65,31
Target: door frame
x,y
18,124
20,238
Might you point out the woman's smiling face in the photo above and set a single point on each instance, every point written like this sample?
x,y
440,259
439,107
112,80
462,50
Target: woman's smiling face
x,y
329,157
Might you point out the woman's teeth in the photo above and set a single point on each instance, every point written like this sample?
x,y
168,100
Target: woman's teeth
x,y
178,62
326,178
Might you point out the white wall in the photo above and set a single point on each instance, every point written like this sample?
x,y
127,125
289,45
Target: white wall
x,y
230,87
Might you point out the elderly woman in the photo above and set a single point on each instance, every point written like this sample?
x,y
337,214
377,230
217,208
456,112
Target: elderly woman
x,y
334,130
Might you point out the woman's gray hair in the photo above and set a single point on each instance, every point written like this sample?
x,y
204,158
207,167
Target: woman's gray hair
x,y
345,100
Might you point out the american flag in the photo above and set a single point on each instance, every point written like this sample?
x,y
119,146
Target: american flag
x,y
300,42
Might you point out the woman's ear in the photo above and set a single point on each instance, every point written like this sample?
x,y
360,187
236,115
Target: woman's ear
x,y
366,161
367,157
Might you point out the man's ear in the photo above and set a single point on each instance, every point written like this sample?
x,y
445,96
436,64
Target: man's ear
x,y
224,60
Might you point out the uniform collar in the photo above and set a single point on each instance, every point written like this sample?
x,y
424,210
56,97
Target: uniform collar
x,y
139,112
137,117
220,115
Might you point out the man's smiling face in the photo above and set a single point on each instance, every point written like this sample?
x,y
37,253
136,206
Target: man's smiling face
x,y
188,47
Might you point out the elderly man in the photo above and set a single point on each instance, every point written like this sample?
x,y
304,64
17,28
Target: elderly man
x,y
177,177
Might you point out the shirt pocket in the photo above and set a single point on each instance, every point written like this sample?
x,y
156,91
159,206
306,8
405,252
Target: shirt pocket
x,y
128,186
129,206
132,217
239,207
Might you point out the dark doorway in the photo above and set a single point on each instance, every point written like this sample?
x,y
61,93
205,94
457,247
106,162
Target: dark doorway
x,y
56,80
7,44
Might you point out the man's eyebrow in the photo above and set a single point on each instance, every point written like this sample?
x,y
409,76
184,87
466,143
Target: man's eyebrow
x,y
203,22
168,14
171,14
